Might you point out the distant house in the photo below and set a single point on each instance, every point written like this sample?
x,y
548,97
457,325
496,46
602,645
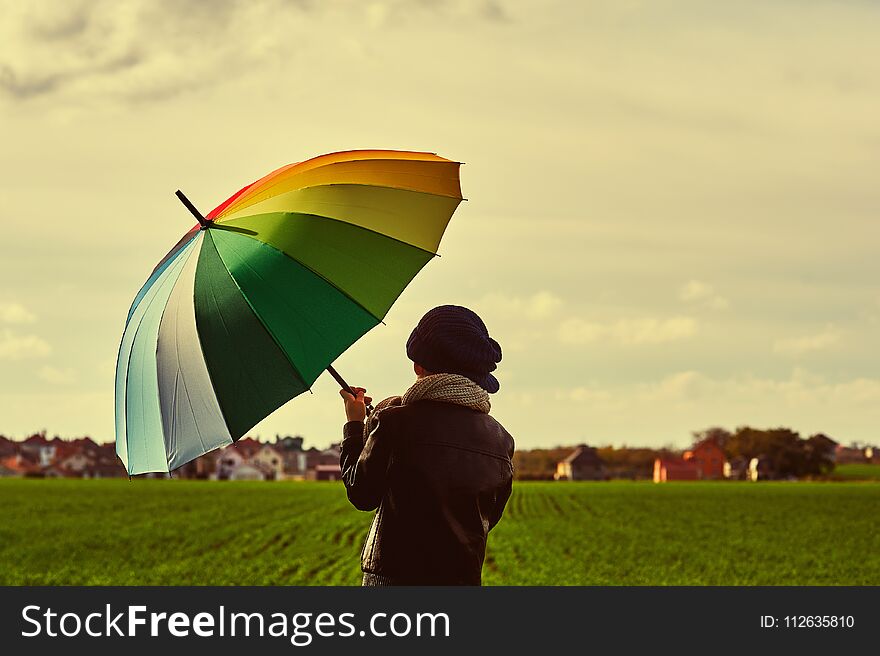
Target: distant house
x,y
7,472
270,461
247,446
846,455
7,447
326,473
316,457
41,450
200,468
248,472
289,443
675,469
709,458
583,464
226,462
294,464
75,464
23,464
248,460
294,458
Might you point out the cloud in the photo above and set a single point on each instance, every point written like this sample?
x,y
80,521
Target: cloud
x,y
150,50
801,389
19,347
55,376
628,331
795,346
701,293
540,305
15,313
591,394
135,50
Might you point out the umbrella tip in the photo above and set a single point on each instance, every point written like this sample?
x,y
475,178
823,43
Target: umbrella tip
x,y
203,222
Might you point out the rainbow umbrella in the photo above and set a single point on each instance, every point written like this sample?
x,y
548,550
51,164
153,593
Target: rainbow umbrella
x,y
266,291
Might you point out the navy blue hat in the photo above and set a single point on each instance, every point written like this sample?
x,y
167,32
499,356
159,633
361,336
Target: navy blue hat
x,y
452,339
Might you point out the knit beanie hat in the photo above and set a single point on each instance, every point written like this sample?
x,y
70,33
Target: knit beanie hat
x,y
453,339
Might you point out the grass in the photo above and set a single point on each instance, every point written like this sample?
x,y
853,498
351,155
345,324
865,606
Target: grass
x,y
154,532
857,472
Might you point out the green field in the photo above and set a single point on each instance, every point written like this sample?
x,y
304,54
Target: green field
x,y
116,532
857,472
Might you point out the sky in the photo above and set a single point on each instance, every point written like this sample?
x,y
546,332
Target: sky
x,y
673,216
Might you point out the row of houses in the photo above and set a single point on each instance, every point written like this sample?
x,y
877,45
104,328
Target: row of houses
x,y
252,460
248,459
705,460
39,456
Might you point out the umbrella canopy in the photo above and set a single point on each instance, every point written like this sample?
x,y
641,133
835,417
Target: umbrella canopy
x,y
255,301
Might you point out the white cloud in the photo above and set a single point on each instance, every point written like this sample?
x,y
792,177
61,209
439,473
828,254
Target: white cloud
x,y
540,305
15,313
795,346
19,347
701,293
680,386
55,376
589,394
628,331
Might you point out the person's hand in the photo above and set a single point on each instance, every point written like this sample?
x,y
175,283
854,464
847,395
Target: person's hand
x,y
355,406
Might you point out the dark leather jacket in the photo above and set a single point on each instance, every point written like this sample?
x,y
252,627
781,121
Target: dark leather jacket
x,y
440,475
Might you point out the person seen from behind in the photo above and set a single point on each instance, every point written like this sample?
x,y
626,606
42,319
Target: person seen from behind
x,y
433,463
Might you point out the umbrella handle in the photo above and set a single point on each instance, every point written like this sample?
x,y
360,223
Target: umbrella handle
x,y
346,386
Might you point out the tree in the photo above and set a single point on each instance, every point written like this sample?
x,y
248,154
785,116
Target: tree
x,y
783,450
820,453
720,435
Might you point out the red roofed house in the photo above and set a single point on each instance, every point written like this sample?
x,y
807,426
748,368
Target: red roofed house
x,y
709,458
675,469
22,464
39,448
7,447
247,447
325,473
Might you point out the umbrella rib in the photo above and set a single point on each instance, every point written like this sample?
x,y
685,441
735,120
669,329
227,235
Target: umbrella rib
x,y
321,276
257,315
283,254
223,321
